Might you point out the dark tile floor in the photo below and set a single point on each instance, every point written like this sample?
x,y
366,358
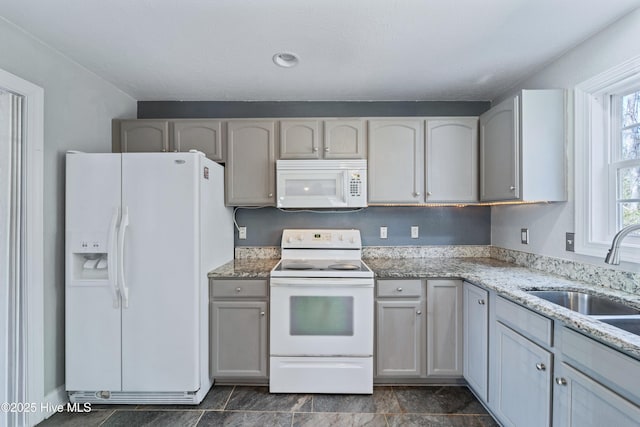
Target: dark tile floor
x,y
254,406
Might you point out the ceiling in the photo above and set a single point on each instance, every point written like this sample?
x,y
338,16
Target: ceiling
x,y
349,50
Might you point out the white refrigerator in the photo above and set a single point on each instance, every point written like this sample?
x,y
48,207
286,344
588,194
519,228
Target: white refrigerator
x,y
142,231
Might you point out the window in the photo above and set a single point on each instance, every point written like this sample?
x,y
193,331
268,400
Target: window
x,y
607,154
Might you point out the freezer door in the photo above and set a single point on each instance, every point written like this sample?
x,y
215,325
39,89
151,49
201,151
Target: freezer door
x,y
160,325
92,313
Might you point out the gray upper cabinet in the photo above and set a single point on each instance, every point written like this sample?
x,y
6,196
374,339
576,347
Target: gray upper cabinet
x,y
405,167
444,328
396,161
152,136
251,159
142,136
201,135
344,139
300,139
476,338
452,159
322,139
522,148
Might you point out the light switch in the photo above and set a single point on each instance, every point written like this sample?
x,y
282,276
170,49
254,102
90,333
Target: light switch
x,y
524,236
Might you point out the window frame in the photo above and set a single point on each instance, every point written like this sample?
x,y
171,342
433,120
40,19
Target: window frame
x,y
596,180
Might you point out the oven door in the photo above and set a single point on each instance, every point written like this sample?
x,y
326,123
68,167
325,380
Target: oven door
x,y
321,317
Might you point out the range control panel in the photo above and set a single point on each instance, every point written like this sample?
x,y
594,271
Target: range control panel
x,y
321,238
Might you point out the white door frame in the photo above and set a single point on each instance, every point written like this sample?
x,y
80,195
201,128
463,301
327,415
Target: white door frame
x,y
33,326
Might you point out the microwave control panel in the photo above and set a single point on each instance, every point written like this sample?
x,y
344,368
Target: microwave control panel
x,y
355,185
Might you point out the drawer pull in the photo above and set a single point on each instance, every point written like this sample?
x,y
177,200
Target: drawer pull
x,y
561,381
238,289
399,289
481,302
262,313
541,367
419,312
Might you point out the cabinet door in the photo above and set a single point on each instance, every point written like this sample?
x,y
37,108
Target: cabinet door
x,y
399,348
579,401
201,135
396,161
521,386
444,328
250,169
239,339
300,139
344,139
144,136
452,160
499,152
475,337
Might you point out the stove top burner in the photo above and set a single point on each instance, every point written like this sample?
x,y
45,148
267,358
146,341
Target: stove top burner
x,y
298,266
343,266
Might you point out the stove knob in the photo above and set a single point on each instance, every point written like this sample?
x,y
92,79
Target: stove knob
x,y
300,237
352,240
341,237
289,239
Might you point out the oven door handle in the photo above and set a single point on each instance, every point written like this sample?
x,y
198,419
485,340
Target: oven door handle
x,y
321,283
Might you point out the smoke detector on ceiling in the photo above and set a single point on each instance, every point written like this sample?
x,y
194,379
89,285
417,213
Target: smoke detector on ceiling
x,y
286,59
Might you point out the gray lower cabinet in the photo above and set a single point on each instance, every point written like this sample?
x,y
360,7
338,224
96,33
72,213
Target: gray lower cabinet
x,y
238,330
400,329
476,338
251,160
444,328
520,367
521,390
580,401
181,135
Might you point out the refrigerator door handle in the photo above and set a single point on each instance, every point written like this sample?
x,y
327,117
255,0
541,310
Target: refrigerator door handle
x,y
111,258
124,223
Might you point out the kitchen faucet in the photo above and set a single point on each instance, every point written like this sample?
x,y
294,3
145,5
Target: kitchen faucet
x,y
613,256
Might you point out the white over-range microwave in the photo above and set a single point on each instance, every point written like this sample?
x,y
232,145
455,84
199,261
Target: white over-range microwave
x,y
321,183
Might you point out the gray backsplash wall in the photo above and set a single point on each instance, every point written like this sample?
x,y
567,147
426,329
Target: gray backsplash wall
x,y
438,225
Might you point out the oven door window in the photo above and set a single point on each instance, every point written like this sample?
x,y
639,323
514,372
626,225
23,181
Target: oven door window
x,y
321,315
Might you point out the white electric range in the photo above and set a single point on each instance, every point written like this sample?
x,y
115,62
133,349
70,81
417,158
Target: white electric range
x,y
321,305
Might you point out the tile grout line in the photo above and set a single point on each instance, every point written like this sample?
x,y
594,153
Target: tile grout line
x,y
113,411
224,407
199,418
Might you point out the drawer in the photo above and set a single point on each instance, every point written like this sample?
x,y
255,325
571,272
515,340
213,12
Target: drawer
x,y
530,324
610,367
399,288
239,289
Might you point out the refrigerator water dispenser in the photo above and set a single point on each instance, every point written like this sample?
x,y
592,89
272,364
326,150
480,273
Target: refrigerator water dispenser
x,y
90,266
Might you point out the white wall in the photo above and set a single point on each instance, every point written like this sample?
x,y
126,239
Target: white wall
x,y
78,110
548,223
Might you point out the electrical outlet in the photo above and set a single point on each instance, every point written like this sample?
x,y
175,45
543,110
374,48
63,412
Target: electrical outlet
x,y
383,232
415,231
242,233
570,241
524,236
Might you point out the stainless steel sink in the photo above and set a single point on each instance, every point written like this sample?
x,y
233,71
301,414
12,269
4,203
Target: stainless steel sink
x,y
630,325
584,303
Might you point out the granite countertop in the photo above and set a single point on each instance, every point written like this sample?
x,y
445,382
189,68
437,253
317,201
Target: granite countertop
x,y
244,269
506,279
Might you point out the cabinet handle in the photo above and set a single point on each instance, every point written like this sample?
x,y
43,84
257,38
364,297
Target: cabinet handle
x,y
164,150
416,194
512,188
561,381
399,289
326,149
428,193
262,313
481,302
541,367
270,195
315,149
238,289
419,312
